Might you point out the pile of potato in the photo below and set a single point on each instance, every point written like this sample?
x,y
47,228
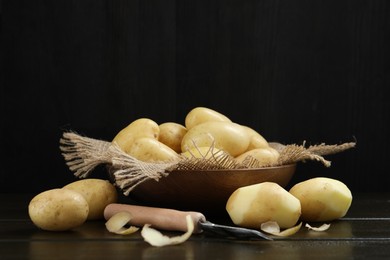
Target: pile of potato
x,y
148,141
70,206
317,199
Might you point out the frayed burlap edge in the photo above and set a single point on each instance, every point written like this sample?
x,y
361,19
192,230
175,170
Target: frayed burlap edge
x,y
83,154
297,153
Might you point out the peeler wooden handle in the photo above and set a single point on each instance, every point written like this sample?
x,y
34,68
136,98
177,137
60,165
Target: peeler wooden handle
x,y
159,218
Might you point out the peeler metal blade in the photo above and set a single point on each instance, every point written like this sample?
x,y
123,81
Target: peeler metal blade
x,y
230,231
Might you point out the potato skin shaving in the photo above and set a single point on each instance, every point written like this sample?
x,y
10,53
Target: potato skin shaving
x,y
156,238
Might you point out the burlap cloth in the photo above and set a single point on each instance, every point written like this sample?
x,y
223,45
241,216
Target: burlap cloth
x,y
82,154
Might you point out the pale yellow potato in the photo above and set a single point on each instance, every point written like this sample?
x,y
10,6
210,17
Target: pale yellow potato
x,y
98,193
142,127
202,152
171,135
264,156
227,136
322,199
58,210
201,115
252,205
151,150
256,139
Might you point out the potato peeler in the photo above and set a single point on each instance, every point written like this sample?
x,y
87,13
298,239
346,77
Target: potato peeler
x,y
175,220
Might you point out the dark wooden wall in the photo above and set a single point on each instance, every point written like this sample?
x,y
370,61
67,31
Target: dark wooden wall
x,y
294,70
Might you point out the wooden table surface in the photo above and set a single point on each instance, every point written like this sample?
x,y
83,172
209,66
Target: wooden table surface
x,y
363,234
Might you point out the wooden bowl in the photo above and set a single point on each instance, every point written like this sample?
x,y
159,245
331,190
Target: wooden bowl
x,y
205,191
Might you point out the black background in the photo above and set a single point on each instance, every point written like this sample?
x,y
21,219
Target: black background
x,y
293,70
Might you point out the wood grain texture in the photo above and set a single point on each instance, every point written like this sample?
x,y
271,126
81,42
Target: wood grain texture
x,y
364,234
294,70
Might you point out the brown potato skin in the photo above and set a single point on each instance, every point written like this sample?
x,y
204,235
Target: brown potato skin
x,y
142,127
264,156
98,193
171,134
227,136
199,115
58,210
256,139
151,150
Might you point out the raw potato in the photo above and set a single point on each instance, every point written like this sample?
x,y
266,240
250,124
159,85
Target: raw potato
x,y
252,205
143,127
256,139
98,194
202,152
58,210
229,137
201,115
322,199
151,150
171,135
264,156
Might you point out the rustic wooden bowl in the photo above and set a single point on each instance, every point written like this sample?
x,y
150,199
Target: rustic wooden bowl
x,y
206,191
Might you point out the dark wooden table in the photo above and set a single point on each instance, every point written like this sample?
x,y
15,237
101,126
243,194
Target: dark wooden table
x,y
363,234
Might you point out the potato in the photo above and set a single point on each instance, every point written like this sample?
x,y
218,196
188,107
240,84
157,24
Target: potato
x,y
264,156
227,136
256,139
201,115
202,152
151,150
252,205
58,210
171,135
322,199
98,194
143,127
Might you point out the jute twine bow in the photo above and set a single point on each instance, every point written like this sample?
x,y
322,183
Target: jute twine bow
x,y
83,154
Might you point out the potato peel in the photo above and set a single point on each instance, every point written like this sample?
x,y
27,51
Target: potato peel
x,y
321,228
270,227
273,228
116,224
156,238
